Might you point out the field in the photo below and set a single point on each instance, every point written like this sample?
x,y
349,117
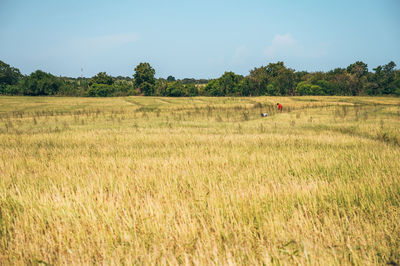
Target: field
x,y
147,180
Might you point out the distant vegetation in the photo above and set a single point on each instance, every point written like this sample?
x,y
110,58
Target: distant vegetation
x,y
275,79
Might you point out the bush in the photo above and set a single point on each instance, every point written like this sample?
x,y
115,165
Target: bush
x,y
41,83
316,90
191,90
122,89
2,89
70,89
303,88
101,78
272,89
175,89
12,90
100,90
213,89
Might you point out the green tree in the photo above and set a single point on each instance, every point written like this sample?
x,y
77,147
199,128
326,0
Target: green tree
x,y
316,90
387,78
191,90
273,69
339,81
9,75
41,83
144,78
286,81
100,90
244,86
259,80
101,78
396,82
358,72
171,79
123,87
282,78
272,89
212,88
300,76
160,87
175,89
228,83
359,69
303,88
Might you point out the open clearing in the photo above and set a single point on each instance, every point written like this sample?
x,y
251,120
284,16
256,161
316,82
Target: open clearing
x,y
200,180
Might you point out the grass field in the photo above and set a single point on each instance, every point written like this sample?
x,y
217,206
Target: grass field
x,y
147,180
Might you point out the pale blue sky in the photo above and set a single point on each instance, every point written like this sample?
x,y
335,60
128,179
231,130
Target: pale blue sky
x,y
199,39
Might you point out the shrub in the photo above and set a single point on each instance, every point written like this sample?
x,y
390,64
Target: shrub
x,y
316,90
175,89
41,83
303,88
100,90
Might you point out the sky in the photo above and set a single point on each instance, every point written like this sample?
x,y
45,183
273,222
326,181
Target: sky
x,y
196,39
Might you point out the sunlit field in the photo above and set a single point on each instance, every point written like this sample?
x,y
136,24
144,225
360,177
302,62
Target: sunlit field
x,y
147,180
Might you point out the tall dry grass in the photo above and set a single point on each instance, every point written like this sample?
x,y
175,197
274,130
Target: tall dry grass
x,y
147,180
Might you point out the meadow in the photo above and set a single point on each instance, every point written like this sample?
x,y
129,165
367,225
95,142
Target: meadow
x,y
157,180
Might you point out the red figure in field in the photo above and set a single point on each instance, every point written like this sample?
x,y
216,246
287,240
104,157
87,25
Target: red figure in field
x,y
279,107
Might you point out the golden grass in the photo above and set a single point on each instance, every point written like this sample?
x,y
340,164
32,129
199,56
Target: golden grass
x,y
147,180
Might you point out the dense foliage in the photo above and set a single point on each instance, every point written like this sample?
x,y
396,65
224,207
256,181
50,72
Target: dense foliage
x,y
144,78
273,79
41,83
9,75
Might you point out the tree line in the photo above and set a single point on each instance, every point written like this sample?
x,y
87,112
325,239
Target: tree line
x,y
273,79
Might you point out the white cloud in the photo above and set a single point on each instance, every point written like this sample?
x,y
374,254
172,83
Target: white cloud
x,y
284,45
240,55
